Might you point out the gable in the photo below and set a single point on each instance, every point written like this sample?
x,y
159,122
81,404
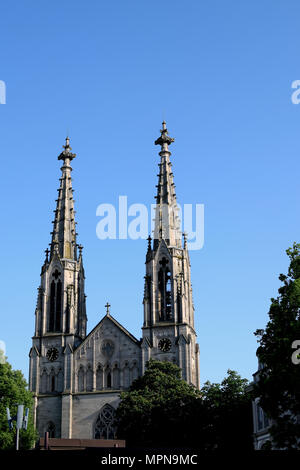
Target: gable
x,y
108,345
162,251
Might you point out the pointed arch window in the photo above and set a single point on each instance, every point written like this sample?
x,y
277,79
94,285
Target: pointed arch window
x,y
55,303
44,379
78,305
108,379
60,381
126,375
52,381
89,379
81,379
68,308
165,291
105,424
58,306
116,377
135,371
179,307
99,378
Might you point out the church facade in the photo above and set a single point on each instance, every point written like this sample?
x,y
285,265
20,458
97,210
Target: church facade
x,y
76,378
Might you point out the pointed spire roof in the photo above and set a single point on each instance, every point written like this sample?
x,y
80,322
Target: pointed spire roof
x,y
167,223
64,226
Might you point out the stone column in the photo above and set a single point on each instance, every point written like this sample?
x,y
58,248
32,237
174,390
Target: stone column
x,y
35,404
66,416
94,386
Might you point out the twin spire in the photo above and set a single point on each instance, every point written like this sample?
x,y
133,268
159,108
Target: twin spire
x,y
167,222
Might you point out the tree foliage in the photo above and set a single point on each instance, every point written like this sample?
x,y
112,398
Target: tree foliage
x,y
162,410
279,379
13,391
227,421
154,411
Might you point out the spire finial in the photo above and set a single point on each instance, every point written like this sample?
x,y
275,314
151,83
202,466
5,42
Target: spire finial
x,y
164,140
66,153
107,306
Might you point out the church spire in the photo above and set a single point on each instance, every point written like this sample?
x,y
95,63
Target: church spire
x,y
64,226
167,224
168,330
62,309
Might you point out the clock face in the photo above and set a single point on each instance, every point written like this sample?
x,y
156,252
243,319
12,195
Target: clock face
x,y
52,354
164,344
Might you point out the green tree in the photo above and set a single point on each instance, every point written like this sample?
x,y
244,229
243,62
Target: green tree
x,y
162,410
227,418
13,391
279,380
158,408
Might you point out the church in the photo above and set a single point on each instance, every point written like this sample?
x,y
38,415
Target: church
x,y
76,378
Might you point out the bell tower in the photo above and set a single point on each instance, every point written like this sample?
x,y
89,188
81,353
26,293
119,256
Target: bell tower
x,y
60,314
168,329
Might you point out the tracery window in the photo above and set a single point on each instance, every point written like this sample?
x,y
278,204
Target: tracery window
x,y
104,428
55,303
165,291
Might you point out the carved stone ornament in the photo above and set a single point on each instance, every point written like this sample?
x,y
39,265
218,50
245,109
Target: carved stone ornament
x,y
107,348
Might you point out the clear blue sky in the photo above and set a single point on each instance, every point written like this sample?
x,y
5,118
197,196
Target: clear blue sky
x,y
220,73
